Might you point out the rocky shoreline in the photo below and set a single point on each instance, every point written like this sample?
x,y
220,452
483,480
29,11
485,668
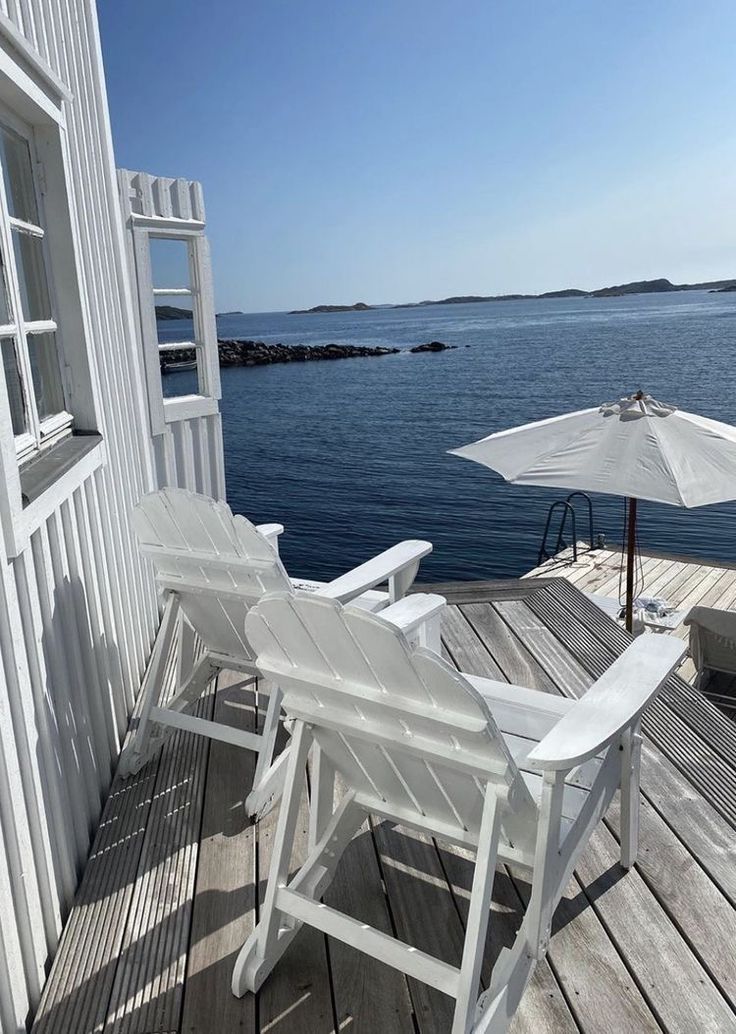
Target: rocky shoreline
x,y
235,352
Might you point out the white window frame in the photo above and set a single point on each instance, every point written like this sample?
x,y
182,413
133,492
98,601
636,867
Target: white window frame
x,y
41,433
32,94
199,290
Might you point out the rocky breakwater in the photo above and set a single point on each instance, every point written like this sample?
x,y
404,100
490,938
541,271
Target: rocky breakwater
x,y
258,353
432,346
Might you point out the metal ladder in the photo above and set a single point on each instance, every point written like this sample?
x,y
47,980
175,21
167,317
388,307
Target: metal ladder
x,y
567,513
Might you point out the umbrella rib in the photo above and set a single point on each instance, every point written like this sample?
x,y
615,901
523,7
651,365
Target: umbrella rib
x,y
665,457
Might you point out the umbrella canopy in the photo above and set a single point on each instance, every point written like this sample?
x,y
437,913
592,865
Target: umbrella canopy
x,y
636,447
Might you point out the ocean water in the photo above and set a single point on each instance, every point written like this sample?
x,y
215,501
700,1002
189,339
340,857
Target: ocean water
x,y
351,455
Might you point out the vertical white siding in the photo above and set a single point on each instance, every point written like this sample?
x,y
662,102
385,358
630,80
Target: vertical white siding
x,y
78,612
189,454
187,448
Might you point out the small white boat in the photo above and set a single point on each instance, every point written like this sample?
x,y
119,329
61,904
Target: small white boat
x,y
189,364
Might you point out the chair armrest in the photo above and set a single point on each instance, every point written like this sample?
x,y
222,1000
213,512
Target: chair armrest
x,y
271,533
397,565
718,622
613,704
411,612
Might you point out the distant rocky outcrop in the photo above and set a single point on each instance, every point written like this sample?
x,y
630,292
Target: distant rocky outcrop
x,y
356,307
637,287
257,353
432,346
723,290
172,312
567,292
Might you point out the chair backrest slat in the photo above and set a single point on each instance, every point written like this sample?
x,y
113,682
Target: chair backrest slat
x,y
217,562
399,723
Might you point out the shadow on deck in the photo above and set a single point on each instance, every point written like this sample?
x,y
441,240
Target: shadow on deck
x,y
173,885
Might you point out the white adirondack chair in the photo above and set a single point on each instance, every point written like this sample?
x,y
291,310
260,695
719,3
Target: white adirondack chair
x,y
520,776
213,566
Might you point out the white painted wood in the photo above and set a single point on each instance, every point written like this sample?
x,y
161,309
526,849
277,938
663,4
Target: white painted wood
x,y
372,942
149,330
79,608
612,705
425,746
419,617
161,207
216,566
630,796
189,407
205,329
384,567
271,532
712,640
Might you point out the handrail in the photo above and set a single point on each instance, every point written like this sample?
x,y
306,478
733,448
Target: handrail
x,y
568,510
586,497
544,553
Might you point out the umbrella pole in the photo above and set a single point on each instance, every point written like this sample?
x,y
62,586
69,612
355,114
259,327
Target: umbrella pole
x,y
630,554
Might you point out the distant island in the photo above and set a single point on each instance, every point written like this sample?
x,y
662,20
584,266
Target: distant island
x,y
660,285
172,312
356,307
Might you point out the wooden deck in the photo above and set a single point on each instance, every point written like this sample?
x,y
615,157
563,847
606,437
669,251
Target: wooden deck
x,y
176,875
684,582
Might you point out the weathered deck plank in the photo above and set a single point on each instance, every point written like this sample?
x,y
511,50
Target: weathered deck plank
x,y
656,955
149,976
369,996
225,892
164,906
298,993
543,1009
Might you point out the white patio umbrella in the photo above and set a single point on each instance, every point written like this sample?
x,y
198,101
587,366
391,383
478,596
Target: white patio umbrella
x,y
636,447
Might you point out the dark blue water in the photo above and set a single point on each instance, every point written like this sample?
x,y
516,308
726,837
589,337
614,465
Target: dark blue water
x,y
351,455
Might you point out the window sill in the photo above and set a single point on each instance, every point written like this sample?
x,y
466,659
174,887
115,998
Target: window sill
x,y
48,481
189,407
43,471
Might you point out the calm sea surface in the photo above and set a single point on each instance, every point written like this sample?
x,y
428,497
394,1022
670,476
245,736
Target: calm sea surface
x,y
351,455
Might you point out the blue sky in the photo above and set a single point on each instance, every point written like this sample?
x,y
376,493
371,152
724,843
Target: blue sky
x,y
398,150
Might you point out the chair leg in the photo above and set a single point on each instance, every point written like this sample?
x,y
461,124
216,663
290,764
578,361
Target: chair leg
x,y
548,875
266,783
630,795
136,753
511,975
478,915
322,795
258,955
186,650
252,966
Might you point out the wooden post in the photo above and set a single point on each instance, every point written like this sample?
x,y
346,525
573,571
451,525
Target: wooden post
x,y
630,553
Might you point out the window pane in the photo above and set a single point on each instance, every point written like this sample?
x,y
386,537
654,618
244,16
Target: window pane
x,y
34,290
6,314
170,263
179,380
46,374
14,386
18,175
174,317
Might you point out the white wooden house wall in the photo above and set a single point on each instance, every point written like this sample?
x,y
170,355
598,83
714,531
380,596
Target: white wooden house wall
x,y
78,611
187,431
